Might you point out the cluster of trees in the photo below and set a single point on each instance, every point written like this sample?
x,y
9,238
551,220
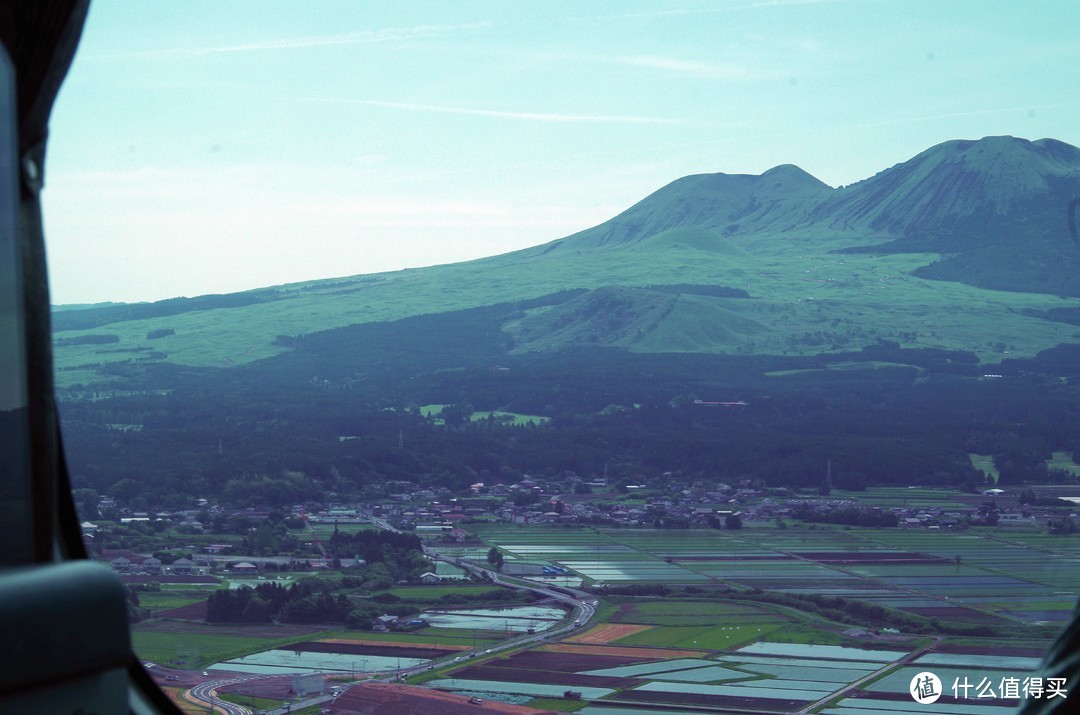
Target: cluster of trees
x,y
731,521
105,314
340,413
306,601
847,515
399,557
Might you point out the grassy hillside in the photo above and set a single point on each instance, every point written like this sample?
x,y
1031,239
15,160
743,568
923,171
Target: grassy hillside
x,y
897,257
801,302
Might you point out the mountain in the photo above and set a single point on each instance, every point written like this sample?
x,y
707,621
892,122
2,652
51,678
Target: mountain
x,y
965,247
958,189
998,208
726,327
716,205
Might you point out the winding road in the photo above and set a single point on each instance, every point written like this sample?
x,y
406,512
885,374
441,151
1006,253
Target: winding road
x,y
206,694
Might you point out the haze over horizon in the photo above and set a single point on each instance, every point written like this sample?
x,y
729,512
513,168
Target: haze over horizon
x,y
198,148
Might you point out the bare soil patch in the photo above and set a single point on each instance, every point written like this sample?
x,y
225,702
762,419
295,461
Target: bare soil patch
x,y
391,644
566,662
387,649
642,652
523,675
190,612
607,633
170,579
394,699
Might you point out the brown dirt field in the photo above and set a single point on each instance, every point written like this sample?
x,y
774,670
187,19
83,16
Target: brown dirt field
x,y
395,699
170,579
565,662
526,675
607,632
644,653
190,612
393,644
866,698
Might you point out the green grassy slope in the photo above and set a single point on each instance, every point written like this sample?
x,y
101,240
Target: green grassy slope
x,y
825,270
801,302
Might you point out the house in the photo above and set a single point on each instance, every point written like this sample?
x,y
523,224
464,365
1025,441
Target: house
x,y
429,577
183,567
384,622
242,567
151,565
121,564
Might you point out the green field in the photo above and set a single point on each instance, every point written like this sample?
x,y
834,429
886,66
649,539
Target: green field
x,y
1007,578
198,650
985,462
253,703
325,531
691,613
557,704
1064,460
508,418
708,637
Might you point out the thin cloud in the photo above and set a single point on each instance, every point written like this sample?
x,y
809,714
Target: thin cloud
x,y
699,69
520,116
955,115
671,65
717,10
389,34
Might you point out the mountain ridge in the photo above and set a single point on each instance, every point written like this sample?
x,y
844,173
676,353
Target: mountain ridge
x,y
936,252
951,181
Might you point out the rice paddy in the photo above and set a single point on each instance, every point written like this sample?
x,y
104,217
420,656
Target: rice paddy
x,y
967,577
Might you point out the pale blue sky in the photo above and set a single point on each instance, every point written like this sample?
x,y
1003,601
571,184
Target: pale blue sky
x,y
207,147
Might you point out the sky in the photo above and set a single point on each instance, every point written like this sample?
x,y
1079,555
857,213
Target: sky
x,y
222,145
